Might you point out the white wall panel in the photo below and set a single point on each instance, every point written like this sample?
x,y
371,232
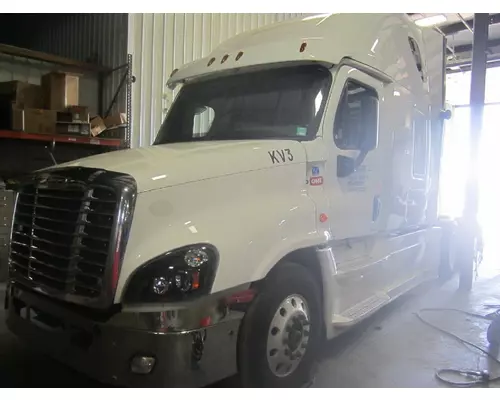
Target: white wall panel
x,y
159,43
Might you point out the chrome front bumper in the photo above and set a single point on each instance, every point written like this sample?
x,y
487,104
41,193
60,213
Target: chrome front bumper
x,y
104,350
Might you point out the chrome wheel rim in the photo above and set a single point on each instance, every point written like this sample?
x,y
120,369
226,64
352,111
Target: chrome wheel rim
x,y
288,336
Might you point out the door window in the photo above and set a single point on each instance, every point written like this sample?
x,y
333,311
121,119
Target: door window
x,y
356,122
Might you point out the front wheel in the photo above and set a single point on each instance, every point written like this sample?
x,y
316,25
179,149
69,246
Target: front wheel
x,y
282,330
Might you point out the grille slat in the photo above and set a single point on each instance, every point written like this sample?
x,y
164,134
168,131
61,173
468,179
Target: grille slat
x,y
88,287
45,229
37,271
62,235
42,207
37,262
19,265
46,254
59,245
86,274
42,195
82,262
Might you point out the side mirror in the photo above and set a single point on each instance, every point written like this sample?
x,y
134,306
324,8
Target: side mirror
x,y
345,166
445,115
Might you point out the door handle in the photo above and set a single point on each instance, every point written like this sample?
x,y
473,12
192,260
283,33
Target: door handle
x,y
376,208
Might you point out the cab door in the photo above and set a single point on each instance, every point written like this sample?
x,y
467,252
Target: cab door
x,y
358,155
359,165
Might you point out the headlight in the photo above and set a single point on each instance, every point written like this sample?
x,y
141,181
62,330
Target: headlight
x,y
177,275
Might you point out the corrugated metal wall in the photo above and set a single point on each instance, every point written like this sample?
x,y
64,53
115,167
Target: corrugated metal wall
x,y
159,43
98,38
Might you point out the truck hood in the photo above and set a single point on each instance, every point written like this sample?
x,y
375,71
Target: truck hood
x,y
161,166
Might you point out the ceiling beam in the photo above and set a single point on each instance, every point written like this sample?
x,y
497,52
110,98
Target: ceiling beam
x,y
465,23
468,47
467,66
459,26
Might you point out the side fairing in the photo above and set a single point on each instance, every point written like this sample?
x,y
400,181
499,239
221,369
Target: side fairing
x,y
435,51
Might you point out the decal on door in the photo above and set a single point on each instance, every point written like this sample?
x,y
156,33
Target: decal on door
x,y
357,180
316,181
280,156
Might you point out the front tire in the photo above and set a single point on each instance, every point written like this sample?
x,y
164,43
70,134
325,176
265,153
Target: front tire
x,y
281,331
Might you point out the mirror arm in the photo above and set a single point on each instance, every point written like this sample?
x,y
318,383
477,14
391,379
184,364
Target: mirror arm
x,y
360,158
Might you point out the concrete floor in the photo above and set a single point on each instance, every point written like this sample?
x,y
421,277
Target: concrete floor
x,y
391,349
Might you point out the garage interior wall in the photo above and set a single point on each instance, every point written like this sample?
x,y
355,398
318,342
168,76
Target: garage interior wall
x,y
159,43
95,38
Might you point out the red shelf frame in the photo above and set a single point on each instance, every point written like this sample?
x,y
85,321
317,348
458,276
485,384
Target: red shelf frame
x,y
61,138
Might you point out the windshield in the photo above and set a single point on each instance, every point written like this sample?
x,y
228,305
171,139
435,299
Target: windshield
x,y
285,102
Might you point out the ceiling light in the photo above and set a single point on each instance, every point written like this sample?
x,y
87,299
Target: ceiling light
x,y
317,16
431,21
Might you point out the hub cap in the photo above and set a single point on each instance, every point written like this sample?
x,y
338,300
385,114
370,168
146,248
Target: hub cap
x,y
288,336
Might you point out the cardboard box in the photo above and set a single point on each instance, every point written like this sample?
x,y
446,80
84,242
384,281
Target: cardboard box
x,y
79,113
74,129
114,133
32,120
60,90
17,119
115,120
74,114
39,121
21,94
97,126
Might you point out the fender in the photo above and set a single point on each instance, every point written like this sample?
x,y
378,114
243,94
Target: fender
x,y
251,231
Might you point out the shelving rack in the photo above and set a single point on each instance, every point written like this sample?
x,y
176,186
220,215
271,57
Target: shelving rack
x,y
79,144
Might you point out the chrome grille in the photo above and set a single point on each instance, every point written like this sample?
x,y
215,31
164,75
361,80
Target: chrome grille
x,y
64,235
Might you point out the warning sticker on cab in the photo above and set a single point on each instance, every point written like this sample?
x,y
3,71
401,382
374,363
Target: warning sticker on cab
x,y
316,181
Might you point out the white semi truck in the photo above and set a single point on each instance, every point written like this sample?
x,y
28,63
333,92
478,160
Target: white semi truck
x,y
290,193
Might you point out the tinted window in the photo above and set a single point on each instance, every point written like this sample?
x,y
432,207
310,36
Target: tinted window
x,y
285,102
417,56
356,121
